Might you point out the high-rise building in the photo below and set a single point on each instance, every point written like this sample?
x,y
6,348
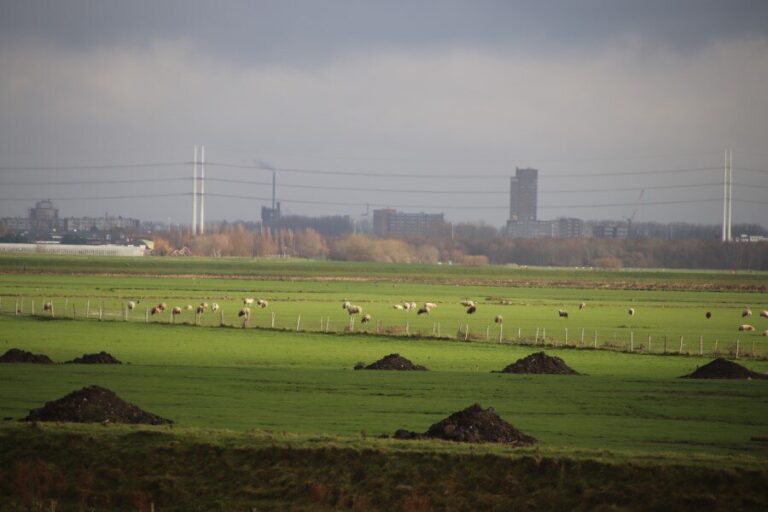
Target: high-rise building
x,y
388,222
523,194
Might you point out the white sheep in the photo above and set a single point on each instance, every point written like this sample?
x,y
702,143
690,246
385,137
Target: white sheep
x,y
246,312
48,306
471,309
582,305
354,310
562,313
764,313
365,319
247,301
346,304
399,307
430,305
214,307
467,303
499,319
262,303
423,311
131,305
631,311
176,311
746,327
746,312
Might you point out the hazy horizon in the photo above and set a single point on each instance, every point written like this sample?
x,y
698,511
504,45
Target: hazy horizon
x,y
624,107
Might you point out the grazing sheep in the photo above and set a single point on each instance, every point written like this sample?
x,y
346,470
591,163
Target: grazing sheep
x,y
365,319
354,310
248,301
131,305
499,319
467,303
162,306
346,304
246,312
189,307
708,315
471,309
411,305
262,303
399,307
582,305
631,311
176,311
155,310
765,332
200,309
204,305
48,306
563,314
764,313
423,311
746,327
430,305
214,307
747,312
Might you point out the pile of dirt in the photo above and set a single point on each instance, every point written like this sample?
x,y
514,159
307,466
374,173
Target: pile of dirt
x,y
100,358
392,362
723,369
93,404
540,363
16,355
472,425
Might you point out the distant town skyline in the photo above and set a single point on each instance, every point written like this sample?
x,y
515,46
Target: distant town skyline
x,y
625,109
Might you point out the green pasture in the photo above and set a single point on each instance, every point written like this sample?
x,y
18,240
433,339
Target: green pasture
x,y
530,313
628,405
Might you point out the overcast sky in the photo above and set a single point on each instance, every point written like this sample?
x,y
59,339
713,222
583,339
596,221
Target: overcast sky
x,y
444,97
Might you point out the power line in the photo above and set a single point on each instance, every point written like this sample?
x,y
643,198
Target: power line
x,y
93,167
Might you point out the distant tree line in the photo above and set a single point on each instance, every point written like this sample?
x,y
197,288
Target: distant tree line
x,y
473,244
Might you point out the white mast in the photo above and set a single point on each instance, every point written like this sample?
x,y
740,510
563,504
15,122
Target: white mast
x,y
194,193
724,236
730,193
202,190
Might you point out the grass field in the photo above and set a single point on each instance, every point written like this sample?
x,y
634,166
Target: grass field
x,y
252,389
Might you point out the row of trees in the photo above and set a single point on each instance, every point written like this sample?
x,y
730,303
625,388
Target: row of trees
x,y
470,245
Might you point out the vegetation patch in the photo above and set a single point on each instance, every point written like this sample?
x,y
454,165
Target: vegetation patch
x,y
93,404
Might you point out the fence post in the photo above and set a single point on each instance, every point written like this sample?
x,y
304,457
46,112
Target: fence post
x,y
737,348
407,328
631,341
101,311
595,338
488,333
701,345
52,313
74,311
466,332
21,309
146,315
221,317
33,306
581,343
88,309
501,332
566,336
438,329
650,350
544,336
327,323
536,339
298,322
681,345
16,311
273,320
66,306
519,333
714,350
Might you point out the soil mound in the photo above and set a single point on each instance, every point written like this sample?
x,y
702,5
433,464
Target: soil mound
x,y
100,358
16,355
540,363
392,362
723,369
93,404
472,425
